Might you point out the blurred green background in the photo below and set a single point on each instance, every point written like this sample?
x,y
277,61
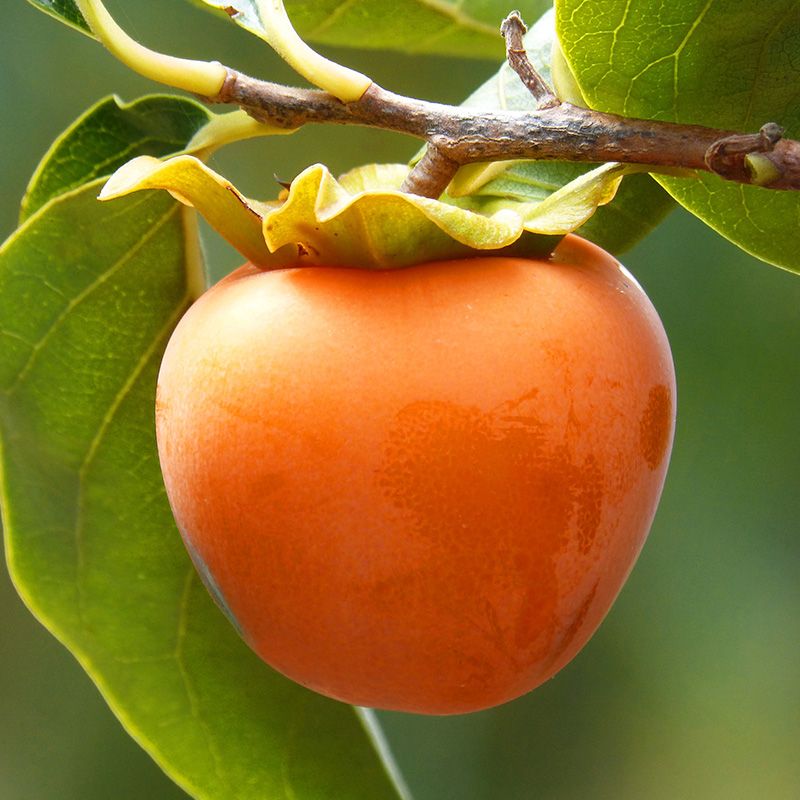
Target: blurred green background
x,y
691,688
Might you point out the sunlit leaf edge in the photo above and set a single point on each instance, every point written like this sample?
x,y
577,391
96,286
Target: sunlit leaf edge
x,y
717,223
70,131
70,16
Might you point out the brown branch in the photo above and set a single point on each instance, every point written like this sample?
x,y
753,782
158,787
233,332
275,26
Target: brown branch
x,y
431,174
564,132
513,29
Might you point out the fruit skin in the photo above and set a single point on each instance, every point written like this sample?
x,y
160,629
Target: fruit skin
x,y
418,489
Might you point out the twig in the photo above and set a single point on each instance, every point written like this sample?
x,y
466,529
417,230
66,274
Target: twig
x,y
513,29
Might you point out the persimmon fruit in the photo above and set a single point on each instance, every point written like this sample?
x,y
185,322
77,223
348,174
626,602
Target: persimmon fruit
x,y
422,488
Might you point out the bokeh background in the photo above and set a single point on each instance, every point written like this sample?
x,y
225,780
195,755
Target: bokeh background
x,y
691,689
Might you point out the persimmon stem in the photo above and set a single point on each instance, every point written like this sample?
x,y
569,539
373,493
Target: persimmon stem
x,y
432,173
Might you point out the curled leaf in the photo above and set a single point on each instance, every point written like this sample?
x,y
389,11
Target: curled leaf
x,y
569,207
363,218
191,182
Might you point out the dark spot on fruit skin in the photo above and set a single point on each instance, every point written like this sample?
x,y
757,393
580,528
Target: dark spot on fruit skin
x,y
589,502
655,426
529,498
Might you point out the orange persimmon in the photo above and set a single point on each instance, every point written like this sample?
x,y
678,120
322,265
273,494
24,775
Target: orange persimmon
x,y
420,488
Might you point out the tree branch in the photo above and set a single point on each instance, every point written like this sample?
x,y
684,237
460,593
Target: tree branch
x,y
458,136
564,132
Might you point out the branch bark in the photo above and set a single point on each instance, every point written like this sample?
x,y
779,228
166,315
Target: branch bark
x,y
561,132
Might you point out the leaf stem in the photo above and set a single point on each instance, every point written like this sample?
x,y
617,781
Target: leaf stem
x,y
564,132
204,78
234,126
343,83
456,136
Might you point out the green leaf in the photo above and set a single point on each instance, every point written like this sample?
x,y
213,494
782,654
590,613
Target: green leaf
x,y
468,29
568,207
763,223
720,64
66,11
108,135
89,293
640,203
637,207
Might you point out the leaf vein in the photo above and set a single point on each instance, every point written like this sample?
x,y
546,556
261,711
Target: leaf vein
x,y
97,440
191,694
83,294
326,23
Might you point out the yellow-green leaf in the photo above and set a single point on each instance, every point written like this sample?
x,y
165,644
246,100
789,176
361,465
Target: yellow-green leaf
x,y
364,219
195,185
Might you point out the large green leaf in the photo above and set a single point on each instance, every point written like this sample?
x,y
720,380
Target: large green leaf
x,y
465,28
107,136
89,293
728,64
640,203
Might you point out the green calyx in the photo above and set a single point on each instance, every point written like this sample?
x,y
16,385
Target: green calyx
x,y
363,219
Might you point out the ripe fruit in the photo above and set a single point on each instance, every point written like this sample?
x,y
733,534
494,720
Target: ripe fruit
x,y
419,489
